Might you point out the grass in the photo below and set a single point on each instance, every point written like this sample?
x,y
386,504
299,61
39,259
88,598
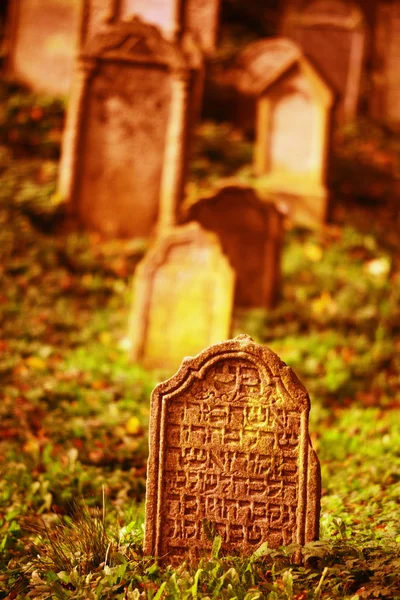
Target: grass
x,y
74,411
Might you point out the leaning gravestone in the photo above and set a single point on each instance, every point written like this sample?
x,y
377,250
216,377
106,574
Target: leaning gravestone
x,y
230,451
124,148
42,38
251,234
183,296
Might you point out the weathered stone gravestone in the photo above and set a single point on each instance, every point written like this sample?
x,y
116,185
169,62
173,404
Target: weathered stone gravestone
x,y
192,24
183,297
332,35
230,449
42,38
124,148
292,125
385,81
251,234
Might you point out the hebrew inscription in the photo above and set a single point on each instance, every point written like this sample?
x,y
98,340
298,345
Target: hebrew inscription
x,y
230,452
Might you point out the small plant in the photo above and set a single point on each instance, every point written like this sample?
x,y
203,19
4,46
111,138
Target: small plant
x,y
78,542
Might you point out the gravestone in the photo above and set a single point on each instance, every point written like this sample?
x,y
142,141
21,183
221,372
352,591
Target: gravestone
x,y
183,296
124,148
385,98
332,35
292,125
42,38
230,452
251,234
193,24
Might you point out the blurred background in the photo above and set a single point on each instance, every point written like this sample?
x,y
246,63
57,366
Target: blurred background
x,y
75,405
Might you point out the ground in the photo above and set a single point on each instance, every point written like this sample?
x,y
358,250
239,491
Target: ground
x,y
74,410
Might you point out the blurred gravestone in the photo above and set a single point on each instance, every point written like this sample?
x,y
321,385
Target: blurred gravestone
x,y
292,125
230,454
386,76
124,148
251,234
332,35
193,24
183,296
42,38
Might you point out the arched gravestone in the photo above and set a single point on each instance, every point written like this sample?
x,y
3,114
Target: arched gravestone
x,y
124,147
183,298
229,446
251,233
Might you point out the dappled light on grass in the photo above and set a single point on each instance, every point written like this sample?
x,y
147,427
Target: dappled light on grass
x,y
74,410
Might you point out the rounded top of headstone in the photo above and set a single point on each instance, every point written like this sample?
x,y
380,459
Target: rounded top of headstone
x,y
231,194
260,63
179,236
275,373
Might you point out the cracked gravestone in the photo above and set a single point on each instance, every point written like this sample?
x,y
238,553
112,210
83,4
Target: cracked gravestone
x,y
230,453
385,97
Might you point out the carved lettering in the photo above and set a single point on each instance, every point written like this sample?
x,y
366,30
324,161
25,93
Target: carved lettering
x,y
235,452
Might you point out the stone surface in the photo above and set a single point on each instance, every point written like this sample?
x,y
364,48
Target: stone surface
x,y
332,35
251,232
96,15
385,103
202,21
42,38
183,296
124,147
292,132
230,452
